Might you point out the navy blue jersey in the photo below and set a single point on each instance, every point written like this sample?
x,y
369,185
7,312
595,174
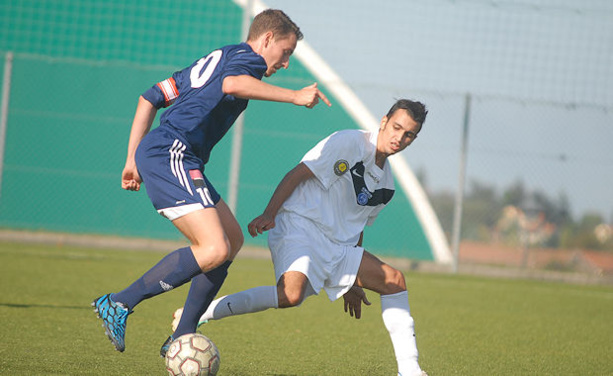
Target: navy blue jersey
x,y
201,113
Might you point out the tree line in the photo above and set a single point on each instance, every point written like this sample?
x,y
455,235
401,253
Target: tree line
x,y
517,216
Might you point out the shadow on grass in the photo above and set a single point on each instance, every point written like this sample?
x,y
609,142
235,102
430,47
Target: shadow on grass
x,y
16,305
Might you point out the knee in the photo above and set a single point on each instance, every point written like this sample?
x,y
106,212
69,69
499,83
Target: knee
x,y
289,297
210,256
394,281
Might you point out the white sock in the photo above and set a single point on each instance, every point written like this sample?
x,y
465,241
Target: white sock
x,y
253,300
400,325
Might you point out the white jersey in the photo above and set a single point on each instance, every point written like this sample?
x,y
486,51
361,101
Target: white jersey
x,y
350,190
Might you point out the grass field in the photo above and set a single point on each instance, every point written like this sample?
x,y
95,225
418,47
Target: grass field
x,y
465,325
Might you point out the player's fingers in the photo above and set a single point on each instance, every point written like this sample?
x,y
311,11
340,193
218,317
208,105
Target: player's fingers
x,y
324,98
260,228
310,88
259,225
251,232
365,300
312,103
128,185
251,229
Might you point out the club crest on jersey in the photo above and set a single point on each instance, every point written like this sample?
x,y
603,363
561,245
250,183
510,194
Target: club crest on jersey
x,y
340,167
364,196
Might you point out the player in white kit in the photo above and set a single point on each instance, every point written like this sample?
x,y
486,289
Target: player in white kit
x,y
316,219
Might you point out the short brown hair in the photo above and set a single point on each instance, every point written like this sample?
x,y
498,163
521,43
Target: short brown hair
x,y
416,110
276,21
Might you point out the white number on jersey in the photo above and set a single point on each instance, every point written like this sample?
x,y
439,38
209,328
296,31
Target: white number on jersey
x,y
199,78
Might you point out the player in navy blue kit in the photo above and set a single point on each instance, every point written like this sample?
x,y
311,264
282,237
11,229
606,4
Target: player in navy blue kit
x,y
206,98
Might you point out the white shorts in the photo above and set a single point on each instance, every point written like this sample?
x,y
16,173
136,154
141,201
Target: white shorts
x,y
296,244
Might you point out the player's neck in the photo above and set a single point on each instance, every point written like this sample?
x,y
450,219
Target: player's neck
x,y
255,46
258,44
380,159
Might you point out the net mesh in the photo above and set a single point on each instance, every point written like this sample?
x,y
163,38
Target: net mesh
x,y
539,74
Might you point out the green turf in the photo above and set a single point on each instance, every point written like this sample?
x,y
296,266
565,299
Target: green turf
x,y
465,325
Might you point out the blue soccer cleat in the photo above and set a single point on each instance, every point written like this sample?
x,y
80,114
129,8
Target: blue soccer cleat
x,y
114,316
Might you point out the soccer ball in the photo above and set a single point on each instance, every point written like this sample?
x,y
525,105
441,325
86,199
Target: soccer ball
x,y
192,355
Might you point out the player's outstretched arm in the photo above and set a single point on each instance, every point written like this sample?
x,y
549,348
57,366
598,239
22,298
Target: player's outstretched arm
x,y
353,301
248,87
145,113
266,220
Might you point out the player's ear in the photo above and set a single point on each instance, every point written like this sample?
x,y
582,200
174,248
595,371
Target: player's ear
x,y
383,122
268,38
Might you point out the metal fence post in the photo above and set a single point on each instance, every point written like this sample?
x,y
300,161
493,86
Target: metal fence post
x,y
4,109
459,198
239,125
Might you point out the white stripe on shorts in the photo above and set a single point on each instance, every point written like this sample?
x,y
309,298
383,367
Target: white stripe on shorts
x,y
176,164
179,211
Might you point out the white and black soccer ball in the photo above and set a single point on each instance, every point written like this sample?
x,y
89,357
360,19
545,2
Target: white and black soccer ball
x,y
192,354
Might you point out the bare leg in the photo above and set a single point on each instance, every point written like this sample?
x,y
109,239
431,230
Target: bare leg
x,y
205,286
209,243
291,289
377,276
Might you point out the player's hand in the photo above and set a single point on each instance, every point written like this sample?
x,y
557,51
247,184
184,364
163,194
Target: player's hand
x,y
310,96
353,301
260,224
130,180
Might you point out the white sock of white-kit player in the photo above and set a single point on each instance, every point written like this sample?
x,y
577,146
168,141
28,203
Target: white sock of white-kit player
x,y
400,325
253,300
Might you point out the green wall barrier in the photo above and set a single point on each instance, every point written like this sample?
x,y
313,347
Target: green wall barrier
x,y
78,70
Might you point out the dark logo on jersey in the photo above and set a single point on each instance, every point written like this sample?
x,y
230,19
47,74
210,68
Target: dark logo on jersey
x,y
340,167
364,197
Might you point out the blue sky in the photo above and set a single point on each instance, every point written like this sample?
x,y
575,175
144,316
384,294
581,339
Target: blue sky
x,y
540,74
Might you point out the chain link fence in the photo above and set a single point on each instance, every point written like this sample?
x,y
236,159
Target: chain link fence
x,y
538,125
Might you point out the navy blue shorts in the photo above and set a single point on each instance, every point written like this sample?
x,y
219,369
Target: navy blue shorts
x,y
173,176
